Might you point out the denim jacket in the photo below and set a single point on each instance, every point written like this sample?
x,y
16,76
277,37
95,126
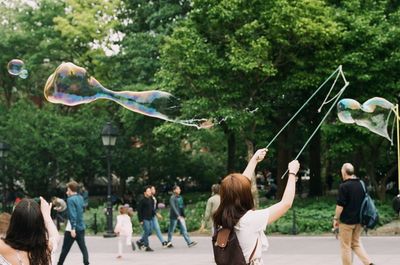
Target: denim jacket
x,y
75,208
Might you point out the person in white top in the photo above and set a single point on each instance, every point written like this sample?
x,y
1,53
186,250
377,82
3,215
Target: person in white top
x,y
237,212
31,236
123,229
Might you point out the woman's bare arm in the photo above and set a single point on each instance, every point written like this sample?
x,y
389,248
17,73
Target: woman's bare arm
x,y
279,209
52,231
251,166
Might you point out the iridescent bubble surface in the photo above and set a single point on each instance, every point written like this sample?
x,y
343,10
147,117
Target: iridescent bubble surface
x,y
373,114
23,74
71,85
17,67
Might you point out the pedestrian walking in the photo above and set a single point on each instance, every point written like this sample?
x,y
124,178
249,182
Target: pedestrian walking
x,y
156,215
60,208
75,229
123,229
145,215
212,205
177,214
347,216
85,195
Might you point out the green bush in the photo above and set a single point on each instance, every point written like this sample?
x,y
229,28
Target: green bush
x,y
313,216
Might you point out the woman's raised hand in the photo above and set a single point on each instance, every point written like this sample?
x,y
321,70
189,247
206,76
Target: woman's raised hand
x,y
294,167
260,154
45,208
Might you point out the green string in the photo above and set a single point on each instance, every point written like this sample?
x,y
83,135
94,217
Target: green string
x,y
308,100
339,72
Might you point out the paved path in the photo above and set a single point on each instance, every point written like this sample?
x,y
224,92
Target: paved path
x,y
297,250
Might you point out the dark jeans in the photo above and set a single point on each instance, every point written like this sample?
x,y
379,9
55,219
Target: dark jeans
x,y
147,225
67,244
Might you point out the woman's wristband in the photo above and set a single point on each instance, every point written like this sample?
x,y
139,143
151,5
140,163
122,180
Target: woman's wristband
x,y
291,173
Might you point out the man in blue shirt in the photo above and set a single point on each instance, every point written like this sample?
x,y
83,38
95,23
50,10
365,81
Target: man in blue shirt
x,y
75,229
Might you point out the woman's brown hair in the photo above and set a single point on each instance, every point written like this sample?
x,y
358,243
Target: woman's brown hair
x,y
27,232
236,200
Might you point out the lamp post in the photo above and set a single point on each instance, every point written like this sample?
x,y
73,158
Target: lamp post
x,y
4,148
109,137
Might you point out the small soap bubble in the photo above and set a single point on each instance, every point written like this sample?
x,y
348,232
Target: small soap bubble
x,y
23,74
15,66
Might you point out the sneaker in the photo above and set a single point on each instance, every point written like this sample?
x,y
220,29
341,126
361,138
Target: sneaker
x,y
164,244
140,244
143,248
192,244
148,249
169,244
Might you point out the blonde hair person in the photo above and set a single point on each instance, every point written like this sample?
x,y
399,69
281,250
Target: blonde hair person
x,y
123,229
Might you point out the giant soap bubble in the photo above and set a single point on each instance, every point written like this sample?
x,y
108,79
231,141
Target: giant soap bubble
x,y
71,85
373,114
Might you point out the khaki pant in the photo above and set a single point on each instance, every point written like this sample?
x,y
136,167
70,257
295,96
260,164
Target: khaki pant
x,y
350,240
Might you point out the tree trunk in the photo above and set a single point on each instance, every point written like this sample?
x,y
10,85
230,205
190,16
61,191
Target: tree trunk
x,y
254,190
315,166
283,159
231,152
122,186
381,192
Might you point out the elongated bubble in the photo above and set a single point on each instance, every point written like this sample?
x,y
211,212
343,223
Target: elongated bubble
x,y
373,114
70,85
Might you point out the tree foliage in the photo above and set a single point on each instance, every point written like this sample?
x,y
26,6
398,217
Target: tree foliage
x,y
249,65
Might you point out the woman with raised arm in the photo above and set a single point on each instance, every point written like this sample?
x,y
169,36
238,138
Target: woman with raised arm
x,y
31,236
236,211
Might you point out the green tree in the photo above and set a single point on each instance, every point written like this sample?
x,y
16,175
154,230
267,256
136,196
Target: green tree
x,y
229,57
370,57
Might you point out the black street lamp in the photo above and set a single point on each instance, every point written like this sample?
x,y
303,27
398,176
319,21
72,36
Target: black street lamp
x,y
109,137
4,148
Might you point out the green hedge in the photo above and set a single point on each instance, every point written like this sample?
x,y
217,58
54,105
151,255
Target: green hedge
x,y
313,216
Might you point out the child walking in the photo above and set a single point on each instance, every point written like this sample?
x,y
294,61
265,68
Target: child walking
x,y
123,229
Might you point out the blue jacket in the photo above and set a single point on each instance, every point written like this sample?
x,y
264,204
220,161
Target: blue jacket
x,y
75,212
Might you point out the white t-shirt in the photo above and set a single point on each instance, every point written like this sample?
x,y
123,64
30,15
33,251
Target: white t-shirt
x,y
250,228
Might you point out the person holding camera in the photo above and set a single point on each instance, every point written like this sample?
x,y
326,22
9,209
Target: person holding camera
x,y
31,236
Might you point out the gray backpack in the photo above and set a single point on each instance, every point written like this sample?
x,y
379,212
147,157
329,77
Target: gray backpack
x,y
369,216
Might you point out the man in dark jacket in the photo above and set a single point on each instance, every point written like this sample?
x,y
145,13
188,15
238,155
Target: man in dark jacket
x,y
145,214
176,215
347,216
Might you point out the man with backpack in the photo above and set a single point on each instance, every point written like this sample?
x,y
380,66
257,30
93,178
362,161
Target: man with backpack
x,y
347,216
